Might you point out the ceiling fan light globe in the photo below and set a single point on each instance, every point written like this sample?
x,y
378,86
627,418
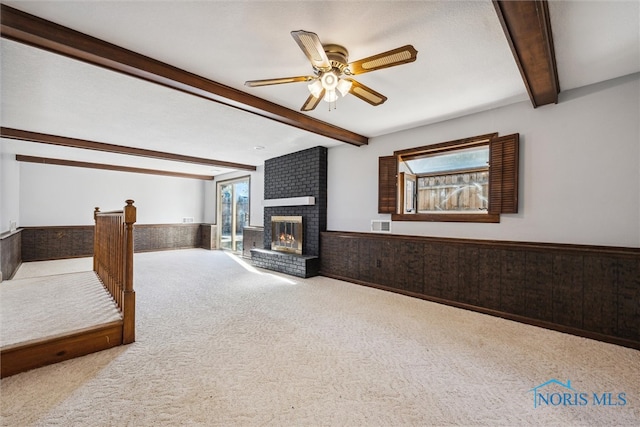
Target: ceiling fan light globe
x,y
330,96
343,87
315,88
329,81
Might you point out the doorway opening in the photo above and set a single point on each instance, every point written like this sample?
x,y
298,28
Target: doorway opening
x,y
233,213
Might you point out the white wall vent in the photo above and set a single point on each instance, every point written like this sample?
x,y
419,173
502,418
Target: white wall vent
x,y
380,226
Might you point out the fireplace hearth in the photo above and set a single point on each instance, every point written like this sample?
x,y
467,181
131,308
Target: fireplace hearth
x,y
286,234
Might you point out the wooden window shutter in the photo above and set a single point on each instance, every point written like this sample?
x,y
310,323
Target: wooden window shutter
x,y
387,181
503,174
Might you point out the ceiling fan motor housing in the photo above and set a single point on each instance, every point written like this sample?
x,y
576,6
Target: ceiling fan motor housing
x,y
338,56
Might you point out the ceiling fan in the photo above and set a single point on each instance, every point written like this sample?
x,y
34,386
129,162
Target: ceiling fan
x,y
332,72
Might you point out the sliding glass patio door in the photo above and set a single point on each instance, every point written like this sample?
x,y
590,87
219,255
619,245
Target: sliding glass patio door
x,y
233,213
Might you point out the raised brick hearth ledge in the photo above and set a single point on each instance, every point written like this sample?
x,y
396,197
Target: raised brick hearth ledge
x,y
295,265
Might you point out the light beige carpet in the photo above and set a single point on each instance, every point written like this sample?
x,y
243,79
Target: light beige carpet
x,y
219,343
43,307
48,268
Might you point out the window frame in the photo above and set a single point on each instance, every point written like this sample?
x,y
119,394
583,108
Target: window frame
x,y
503,179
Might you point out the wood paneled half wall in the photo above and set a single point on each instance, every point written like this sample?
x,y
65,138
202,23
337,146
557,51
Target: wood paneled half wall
x,y
590,291
59,242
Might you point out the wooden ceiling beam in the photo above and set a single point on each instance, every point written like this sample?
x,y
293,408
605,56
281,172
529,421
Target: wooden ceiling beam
x,y
527,26
103,166
43,138
25,28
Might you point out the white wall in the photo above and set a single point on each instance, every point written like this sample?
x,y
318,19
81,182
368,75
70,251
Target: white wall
x,y
62,195
579,170
41,195
9,189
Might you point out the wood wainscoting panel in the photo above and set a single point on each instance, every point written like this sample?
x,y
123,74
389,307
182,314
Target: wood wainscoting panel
x,y
628,281
468,275
159,237
590,291
60,242
409,270
367,261
568,289
56,242
432,270
489,278
10,254
538,301
600,294
512,274
449,263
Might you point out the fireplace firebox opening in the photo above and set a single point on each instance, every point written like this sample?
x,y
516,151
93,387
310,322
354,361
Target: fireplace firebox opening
x,y
286,234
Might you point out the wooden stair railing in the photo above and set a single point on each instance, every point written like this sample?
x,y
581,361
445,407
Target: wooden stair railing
x,y
113,261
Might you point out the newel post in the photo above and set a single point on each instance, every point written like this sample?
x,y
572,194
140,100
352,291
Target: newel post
x,y
129,294
96,246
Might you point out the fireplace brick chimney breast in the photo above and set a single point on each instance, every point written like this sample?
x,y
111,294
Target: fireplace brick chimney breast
x,y
299,174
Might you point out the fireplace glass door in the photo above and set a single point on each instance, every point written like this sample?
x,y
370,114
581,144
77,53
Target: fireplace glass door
x,y
233,213
286,234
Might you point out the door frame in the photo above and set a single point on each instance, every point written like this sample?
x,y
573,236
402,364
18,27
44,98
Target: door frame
x,y
219,221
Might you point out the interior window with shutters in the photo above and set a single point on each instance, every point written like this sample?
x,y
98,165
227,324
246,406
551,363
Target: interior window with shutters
x,y
467,180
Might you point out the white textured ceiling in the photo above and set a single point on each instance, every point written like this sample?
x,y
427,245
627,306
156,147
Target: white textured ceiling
x,y
464,65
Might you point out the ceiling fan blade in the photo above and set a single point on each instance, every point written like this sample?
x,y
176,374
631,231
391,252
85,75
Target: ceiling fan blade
x,y
391,58
366,94
266,82
312,47
312,102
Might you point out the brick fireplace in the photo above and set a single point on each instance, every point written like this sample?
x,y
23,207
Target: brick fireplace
x,y
295,185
